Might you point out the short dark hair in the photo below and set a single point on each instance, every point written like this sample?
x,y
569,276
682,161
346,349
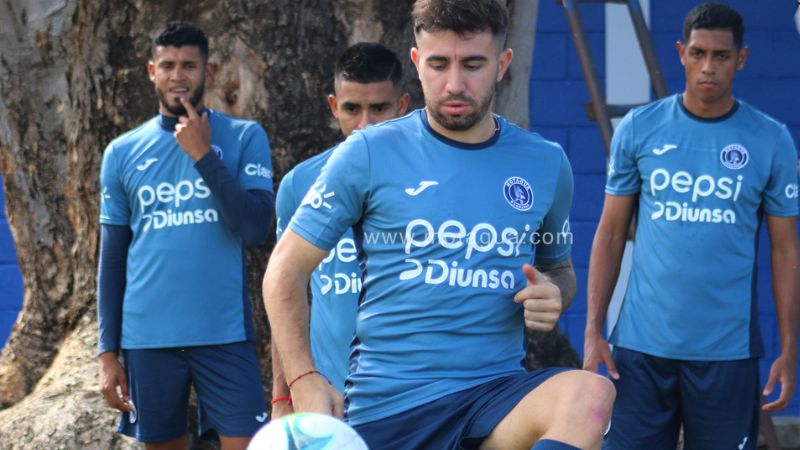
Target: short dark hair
x,y
368,62
714,16
461,16
178,34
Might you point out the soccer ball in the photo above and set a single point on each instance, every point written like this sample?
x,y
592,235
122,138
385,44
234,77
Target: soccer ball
x,y
307,431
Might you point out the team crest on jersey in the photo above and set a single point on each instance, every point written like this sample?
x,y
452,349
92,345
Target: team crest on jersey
x,y
518,193
217,150
734,156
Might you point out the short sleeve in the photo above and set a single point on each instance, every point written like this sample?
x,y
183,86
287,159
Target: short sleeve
x,y
555,239
114,206
336,200
780,195
255,169
285,203
623,172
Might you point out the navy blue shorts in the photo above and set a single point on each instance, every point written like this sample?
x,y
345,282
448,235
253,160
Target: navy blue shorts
x,y
226,379
462,420
717,402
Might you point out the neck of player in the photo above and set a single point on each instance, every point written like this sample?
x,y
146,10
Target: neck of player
x,y
707,110
480,132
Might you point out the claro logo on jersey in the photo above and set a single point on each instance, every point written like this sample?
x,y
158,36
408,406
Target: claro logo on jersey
x,y
454,235
339,283
791,191
692,192
164,205
257,170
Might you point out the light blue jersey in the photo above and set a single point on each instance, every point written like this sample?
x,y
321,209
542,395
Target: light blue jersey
x,y
443,230
185,270
703,187
335,284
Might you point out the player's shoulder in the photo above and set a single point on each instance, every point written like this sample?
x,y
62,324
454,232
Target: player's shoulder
x,y
527,140
312,165
756,117
655,110
392,128
220,120
128,140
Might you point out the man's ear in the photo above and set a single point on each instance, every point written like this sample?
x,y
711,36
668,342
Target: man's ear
x,y
680,47
403,104
414,53
505,60
151,70
334,105
742,58
211,72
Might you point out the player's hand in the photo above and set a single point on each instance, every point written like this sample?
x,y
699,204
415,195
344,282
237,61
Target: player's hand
x,y
281,408
114,382
541,300
193,133
596,352
313,393
783,371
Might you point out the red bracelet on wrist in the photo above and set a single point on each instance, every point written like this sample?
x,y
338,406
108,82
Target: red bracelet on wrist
x,y
287,398
297,378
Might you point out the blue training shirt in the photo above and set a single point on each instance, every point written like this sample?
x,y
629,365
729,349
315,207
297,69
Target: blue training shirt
x,y
443,229
703,187
185,281
335,284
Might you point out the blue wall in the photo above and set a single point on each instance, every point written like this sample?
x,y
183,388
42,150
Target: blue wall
x,y
770,82
10,278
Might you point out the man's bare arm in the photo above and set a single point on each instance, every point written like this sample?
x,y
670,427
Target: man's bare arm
x,y
604,262
285,299
785,289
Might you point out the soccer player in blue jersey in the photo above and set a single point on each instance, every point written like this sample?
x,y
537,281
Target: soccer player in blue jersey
x,y
181,195
703,168
367,86
450,205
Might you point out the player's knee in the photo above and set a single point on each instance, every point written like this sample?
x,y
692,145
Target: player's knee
x,y
585,398
593,399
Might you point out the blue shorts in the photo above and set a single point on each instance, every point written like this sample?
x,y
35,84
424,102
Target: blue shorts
x,y
462,420
717,402
226,379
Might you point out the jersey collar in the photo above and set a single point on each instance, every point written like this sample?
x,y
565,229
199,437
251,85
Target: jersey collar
x,y
463,145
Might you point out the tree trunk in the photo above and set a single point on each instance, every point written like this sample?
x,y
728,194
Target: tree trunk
x,y
72,77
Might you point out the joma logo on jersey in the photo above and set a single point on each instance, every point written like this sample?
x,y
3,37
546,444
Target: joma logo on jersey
x,y
257,170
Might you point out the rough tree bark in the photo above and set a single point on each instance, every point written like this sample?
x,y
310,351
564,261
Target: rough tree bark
x,y
72,77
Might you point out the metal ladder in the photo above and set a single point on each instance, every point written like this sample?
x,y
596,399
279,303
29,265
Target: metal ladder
x,y
600,111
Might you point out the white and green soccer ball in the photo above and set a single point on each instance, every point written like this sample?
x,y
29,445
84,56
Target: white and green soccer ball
x,y
307,431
